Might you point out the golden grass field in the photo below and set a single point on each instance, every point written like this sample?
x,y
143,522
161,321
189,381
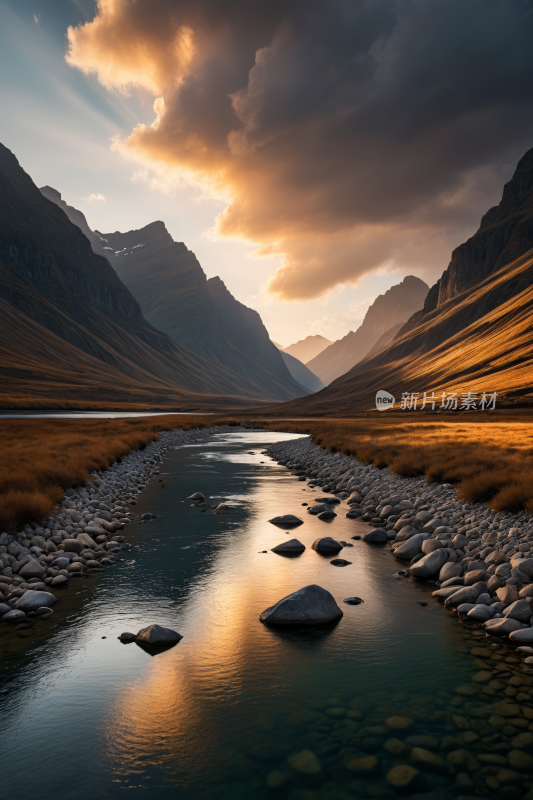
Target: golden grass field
x,y
489,457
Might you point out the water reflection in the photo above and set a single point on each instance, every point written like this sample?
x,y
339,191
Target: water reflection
x,y
223,713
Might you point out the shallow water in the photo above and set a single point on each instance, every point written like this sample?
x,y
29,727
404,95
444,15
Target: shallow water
x,y
85,716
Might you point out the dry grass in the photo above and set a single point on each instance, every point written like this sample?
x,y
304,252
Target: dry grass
x,y
41,458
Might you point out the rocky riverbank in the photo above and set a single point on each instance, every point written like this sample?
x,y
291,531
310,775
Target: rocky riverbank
x,y
83,535
482,562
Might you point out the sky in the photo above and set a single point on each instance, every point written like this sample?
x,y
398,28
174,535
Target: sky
x,y
311,153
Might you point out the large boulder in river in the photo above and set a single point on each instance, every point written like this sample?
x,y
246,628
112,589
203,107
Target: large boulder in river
x,y
311,605
157,636
327,545
291,546
31,601
286,521
430,565
196,496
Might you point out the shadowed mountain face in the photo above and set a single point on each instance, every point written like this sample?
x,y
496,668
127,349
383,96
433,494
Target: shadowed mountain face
x,y
388,310
474,333
301,373
72,330
505,233
307,348
176,298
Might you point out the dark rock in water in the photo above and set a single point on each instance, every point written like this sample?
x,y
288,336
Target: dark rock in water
x,y
4,609
196,496
127,637
340,562
59,580
311,605
329,500
291,546
326,545
353,601
354,513
156,636
356,537
328,514
421,602
32,601
44,612
377,536
146,516
286,520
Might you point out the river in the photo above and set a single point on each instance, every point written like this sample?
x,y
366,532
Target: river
x,y
218,715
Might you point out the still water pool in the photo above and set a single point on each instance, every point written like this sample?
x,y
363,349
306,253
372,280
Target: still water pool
x,y
222,714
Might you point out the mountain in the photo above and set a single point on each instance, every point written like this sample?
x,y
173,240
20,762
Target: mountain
x,y
474,333
505,233
72,330
301,373
244,329
389,309
279,346
176,298
307,348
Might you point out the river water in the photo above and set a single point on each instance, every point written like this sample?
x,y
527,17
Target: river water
x,y
85,716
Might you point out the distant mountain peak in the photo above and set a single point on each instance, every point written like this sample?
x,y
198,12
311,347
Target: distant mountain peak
x,y
308,348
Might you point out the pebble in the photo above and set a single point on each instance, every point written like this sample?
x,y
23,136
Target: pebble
x,y
305,762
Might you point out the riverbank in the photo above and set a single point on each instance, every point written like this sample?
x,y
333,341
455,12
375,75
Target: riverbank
x,y
481,561
81,535
42,458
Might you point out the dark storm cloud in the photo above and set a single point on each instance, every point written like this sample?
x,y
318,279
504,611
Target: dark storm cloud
x,y
348,135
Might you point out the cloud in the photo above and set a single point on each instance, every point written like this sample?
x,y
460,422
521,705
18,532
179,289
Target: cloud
x,y
37,20
346,137
92,197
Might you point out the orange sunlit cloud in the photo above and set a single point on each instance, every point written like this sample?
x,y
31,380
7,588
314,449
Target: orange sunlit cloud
x,y
314,123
